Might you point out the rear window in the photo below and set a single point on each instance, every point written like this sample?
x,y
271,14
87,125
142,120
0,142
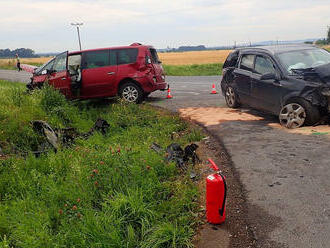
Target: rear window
x,y
127,56
154,56
231,60
96,59
247,62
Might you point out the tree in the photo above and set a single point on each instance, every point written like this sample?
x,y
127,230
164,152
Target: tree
x,y
328,39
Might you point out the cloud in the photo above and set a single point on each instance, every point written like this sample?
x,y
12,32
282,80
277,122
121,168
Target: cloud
x,y
44,25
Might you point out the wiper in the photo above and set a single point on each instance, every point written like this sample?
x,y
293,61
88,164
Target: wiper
x,y
302,70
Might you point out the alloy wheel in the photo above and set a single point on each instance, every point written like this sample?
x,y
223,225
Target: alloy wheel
x,y
130,94
230,97
292,115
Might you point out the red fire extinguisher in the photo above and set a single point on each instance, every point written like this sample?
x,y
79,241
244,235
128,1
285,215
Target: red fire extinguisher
x,y
216,192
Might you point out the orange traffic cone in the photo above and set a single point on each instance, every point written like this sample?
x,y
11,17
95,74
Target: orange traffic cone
x,y
214,91
169,96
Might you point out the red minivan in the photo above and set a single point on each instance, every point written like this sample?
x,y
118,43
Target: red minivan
x,y
132,72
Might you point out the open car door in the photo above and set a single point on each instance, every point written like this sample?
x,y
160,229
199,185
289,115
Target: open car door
x,y
59,76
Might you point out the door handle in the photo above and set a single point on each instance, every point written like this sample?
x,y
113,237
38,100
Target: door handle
x,y
63,78
111,73
277,83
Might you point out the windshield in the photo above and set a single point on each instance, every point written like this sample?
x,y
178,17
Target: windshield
x,y
48,65
304,59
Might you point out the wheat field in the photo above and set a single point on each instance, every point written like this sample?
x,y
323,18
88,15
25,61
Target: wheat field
x,y
7,63
194,57
327,47
173,58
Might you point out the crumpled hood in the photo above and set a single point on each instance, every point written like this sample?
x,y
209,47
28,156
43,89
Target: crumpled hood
x,y
323,72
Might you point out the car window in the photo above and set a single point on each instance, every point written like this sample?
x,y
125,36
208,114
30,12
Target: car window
x,y
247,62
74,63
113,57
47,66
95,59
264,65
60,62
127,56
154,56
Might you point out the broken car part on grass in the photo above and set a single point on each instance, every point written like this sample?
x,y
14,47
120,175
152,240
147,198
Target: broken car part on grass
x,y
180,156
63,136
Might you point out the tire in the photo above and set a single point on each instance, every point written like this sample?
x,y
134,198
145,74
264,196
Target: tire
x,y
231,98
297,113
131,92
146,94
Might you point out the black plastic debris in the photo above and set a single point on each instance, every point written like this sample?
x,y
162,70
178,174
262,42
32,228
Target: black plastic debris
x,y
190,153
157,148
180,156
101,126
64,136
175,153
45,129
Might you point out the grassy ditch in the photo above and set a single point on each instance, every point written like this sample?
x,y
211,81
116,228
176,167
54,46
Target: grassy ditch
x,y
106,191
193,70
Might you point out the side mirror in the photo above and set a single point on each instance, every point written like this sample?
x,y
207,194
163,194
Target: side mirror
x,y
50,71
268,76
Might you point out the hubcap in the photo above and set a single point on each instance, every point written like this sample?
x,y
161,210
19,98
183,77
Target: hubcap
x,y
292,115
130,94
230,96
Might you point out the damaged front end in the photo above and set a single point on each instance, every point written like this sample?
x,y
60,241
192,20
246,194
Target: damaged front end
x,y
317,89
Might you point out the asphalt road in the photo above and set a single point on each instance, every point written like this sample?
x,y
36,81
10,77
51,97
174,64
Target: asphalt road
x,y
15,76
285,174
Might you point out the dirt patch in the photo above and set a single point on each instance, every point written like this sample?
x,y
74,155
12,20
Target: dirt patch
x,y
210,116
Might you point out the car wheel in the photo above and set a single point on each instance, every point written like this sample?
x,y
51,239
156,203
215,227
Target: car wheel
x,y
146,94
297,113
231,98
130,92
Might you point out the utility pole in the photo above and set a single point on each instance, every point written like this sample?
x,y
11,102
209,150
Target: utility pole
x,y
78,25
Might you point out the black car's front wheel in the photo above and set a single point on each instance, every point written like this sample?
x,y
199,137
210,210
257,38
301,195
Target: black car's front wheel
x,y
298,113
231,98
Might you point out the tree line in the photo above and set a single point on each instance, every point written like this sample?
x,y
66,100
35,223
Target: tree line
x,y
22,52
325,41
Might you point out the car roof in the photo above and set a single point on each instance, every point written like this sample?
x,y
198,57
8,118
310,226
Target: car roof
x,y
278,48
134,45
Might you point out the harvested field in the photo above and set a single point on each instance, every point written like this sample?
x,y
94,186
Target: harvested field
x,y
327,47
195,57
8,63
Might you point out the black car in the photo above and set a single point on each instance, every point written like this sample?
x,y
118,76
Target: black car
x,y
291,81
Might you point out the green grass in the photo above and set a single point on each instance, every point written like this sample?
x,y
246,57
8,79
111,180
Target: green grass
x,y
106,191
193,70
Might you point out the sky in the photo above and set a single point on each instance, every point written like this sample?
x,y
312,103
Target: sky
x,y
44,25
